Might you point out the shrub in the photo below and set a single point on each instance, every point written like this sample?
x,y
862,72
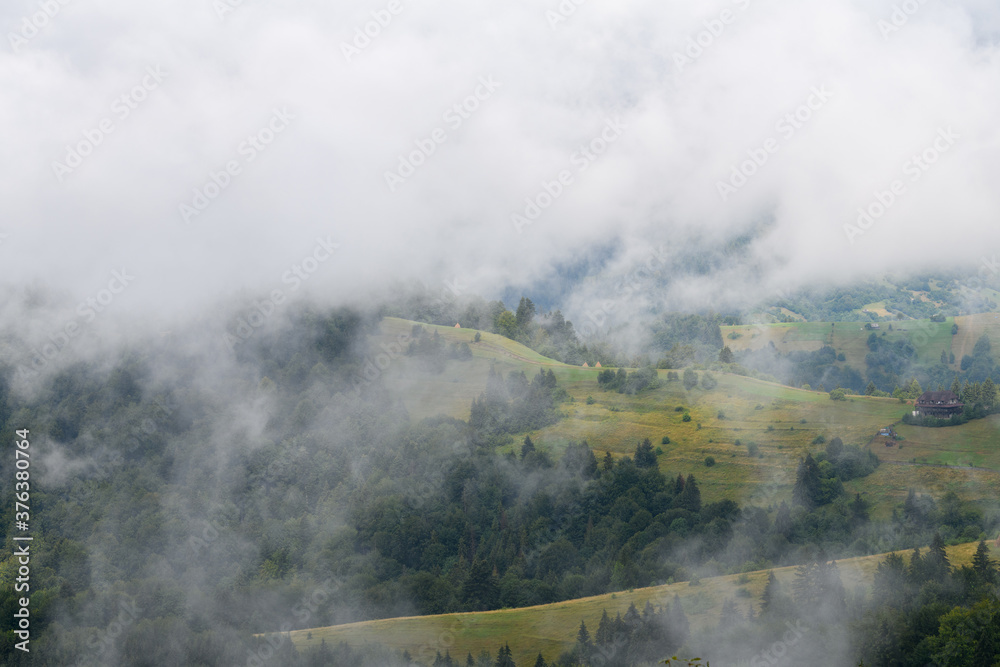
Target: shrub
x,y
590,400
477,338
690,379
709,461
708,381
686,417
665,440
838,394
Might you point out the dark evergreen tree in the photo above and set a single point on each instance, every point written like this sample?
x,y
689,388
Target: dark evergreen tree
x,y
808,490
690,497
604,630
936,561
730,616
983,565
644,456
527,448
504,657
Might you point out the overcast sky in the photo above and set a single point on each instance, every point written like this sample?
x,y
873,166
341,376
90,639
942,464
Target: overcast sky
x,y
669,98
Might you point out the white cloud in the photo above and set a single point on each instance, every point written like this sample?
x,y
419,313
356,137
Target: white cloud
x,y
325,174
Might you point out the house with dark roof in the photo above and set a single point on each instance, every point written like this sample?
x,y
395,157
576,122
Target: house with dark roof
x,y
938,404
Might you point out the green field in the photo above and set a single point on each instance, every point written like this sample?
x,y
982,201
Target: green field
x,y
782,421
551,628
851,338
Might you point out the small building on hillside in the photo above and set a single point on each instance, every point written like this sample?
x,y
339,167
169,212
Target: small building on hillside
x,y
597,365
457,325
886,435
585,365
938,404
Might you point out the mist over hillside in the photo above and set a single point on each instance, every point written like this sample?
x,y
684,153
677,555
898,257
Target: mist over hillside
x,y
317,314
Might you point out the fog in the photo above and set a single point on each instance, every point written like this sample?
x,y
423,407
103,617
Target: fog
x,y
632,116
173,166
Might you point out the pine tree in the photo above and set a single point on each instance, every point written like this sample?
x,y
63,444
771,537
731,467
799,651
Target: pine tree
x,y
982,563
936,560
807,585
679,485
808,490
770,591
504,658
583,635
783,519
678,629
890,580
690,497
609,463
527,448
956,388
988,394
870,389
540,661
584,647
469,661
632,619
644,456
832,592
730,616
604,631
859,509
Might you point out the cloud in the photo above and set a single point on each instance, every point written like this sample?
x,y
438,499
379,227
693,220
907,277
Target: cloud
x,y
699,91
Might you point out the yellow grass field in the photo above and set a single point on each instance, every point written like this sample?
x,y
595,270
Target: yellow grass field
x,y
551,629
